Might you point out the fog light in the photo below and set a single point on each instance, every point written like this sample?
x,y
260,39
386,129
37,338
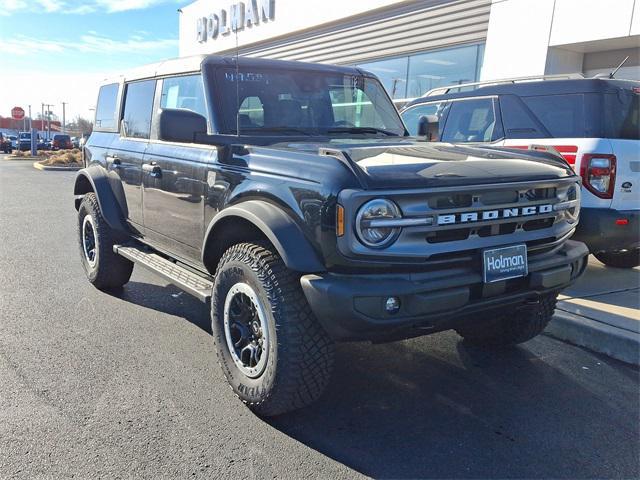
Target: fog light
x,y
392,305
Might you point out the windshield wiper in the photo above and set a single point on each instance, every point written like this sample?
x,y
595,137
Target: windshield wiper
x,y
362,130
281,129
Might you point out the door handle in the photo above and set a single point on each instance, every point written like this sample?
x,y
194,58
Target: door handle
x,y
153,169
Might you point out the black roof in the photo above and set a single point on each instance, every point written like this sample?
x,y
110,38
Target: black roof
x,y
543,87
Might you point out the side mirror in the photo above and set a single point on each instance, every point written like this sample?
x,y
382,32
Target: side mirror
x,y
429,127
178,125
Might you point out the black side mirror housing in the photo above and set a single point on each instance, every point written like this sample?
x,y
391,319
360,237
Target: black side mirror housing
x,y
179,125
429,127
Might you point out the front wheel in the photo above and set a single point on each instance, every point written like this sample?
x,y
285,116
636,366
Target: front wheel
x,y
272,351
511,327
627,259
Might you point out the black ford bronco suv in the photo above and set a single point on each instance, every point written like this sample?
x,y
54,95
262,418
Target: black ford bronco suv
x,y
290,197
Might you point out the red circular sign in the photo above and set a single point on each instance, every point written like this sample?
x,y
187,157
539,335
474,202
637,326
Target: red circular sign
x,y
17,113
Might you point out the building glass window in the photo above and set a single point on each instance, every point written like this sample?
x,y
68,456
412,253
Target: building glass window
x,y
412,76
444,67
392,73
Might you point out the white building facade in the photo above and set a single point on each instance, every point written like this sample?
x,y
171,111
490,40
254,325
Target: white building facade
x,y
417,45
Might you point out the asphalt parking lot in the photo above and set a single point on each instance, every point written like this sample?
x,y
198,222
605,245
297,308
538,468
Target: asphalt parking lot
x,y
119,386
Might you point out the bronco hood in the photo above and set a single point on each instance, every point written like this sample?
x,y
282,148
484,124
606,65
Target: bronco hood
x,y
438,164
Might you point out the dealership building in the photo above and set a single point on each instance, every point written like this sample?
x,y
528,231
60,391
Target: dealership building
x,y
417,45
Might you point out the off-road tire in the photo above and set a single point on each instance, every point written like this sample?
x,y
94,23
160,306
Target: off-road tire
x,y
628,259
110,270
511,327
300,354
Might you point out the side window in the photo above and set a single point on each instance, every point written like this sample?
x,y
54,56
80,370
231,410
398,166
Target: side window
x,y
518,121
138,105
412,116
106,109
562,115
184,92
471,121
251,113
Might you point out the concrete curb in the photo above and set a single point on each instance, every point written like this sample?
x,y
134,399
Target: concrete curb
x,y
11,157
39,166
619,343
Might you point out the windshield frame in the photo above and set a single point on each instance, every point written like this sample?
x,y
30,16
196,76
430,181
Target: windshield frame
x,y
215,95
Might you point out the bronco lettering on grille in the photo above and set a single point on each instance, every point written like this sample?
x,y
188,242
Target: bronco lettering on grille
x,y
468,217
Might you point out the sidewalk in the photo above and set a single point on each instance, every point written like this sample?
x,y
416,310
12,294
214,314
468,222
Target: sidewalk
x,y
602,312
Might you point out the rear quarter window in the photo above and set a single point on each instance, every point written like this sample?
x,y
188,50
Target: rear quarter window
x,y
622,115
562,115
106,109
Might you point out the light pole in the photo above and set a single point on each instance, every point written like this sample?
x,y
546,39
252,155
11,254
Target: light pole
x,y
30,120
64,123
49,121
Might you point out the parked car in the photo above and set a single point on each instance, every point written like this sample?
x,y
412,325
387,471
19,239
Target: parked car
x,y
306,215
61,142
594,124
24,141
75,141
5,143
14,141
43,144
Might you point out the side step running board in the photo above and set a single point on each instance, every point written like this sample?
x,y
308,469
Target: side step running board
x,y
181,277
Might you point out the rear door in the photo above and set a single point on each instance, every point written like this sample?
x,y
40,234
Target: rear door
x,y
175,176
126,152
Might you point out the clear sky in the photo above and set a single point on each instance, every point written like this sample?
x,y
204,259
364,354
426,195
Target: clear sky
x,y
56,51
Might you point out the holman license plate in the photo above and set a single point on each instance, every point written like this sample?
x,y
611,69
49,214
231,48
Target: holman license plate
x,y
504,263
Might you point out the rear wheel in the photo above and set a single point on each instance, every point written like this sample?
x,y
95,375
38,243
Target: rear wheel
x,y
512,326
626,259
104,268
274,354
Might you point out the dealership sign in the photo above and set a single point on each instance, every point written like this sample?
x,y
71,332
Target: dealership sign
x,y
238,16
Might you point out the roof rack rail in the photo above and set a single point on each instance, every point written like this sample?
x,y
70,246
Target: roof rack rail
x,y
449,88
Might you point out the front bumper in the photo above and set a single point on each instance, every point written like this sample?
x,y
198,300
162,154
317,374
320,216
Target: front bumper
x,y
351,307
598,229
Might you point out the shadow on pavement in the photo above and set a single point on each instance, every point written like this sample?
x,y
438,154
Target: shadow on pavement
x,y
395,411
167,299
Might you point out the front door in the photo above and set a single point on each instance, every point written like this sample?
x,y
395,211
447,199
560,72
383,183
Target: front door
x,y
174,177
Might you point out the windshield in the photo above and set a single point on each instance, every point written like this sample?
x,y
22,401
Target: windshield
x,y
25,135
303,103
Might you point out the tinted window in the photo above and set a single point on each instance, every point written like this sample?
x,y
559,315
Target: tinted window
x,y
412,116
562,115
622,115
138,105
184,92
471,121
106,110
518,121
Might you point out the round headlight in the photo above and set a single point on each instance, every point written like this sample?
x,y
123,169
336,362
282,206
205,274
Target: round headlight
x,y
370,223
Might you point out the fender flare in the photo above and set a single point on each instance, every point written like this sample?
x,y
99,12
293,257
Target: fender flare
x,y
109,192
280,229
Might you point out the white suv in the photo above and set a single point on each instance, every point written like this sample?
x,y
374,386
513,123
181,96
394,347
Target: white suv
x,y
593,123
